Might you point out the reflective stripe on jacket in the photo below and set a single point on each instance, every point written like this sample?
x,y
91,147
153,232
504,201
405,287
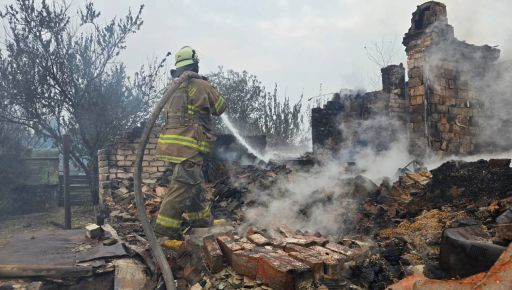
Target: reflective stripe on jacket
x,y
188,129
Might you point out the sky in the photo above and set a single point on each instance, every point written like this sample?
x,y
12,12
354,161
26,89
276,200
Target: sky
x,y
306,47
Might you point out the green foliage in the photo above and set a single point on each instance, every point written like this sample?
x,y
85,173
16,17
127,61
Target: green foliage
x,y
12,151
256,111
60,74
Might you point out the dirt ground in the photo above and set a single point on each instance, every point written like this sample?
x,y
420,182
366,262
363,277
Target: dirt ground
x,y
53,219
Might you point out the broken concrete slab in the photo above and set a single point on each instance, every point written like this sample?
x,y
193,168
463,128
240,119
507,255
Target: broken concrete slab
x,y
130,274
93,231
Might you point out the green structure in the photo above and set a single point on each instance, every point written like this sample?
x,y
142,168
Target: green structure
x,y
42,167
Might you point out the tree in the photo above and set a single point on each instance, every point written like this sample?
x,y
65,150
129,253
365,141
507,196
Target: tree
x,y
245,95
61,75
13,149
381,54
256,111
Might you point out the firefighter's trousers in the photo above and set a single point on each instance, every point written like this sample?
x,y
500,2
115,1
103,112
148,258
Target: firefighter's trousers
x,y
184,203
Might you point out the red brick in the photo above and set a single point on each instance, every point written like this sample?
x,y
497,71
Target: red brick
x,y
278,243
191,274
314,240
213,254
282,272
228,246
258,239
245,262
275,234
252,230
332,266
310,259
330,253
247,246
333,262
344,250
184,255
297,241
286,231
295,248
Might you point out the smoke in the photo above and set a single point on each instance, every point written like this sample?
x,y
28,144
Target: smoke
x,y
325,198
378,146
495,122
471,92
309,201
468,73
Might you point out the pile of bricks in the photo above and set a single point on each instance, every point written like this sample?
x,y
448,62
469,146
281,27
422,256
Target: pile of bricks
x,y
281,258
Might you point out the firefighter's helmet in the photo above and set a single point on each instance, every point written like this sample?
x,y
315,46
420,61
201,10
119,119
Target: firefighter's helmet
x,y
185,56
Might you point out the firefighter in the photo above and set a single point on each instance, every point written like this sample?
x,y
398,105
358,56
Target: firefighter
x,y
186,136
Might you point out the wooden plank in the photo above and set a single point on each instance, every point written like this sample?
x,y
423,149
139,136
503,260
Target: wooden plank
x,y
49,271
67,204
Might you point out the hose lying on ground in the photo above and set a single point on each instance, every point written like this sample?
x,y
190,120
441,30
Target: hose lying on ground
x,y
139,198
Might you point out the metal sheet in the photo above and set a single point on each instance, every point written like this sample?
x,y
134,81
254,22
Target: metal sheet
x,y
55,248
100,251
58,247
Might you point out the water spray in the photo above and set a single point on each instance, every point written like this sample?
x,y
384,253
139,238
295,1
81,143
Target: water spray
x,y
241,140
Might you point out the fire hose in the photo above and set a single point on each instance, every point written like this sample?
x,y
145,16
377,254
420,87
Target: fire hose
x,y
156,250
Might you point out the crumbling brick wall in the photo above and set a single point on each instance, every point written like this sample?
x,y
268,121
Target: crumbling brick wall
x,y
117,160
443,98
393,84
441,104
338,122
325,130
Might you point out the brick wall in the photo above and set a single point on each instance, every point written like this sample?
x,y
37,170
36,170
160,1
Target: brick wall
x,y
339,120
443,103
393,84
118,159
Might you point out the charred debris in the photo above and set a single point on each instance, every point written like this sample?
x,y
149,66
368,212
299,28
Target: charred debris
x,y
447,228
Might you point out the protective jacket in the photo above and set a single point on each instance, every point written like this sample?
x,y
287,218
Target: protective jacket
x,y
188,126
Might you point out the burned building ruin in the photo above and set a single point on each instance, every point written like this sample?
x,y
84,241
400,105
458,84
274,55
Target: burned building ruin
x,y
442,104
340,122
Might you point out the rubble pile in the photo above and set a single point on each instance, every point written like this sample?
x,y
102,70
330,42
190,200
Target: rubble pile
x,y
233,191
282,258
410,220
398,229
474,184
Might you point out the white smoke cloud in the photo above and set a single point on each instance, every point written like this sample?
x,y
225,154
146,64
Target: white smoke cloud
x,y
487,89
325,198
495,121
